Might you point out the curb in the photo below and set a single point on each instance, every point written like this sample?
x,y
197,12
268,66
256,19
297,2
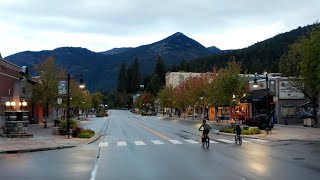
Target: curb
x,y
97,136
228,134
90,141
35,150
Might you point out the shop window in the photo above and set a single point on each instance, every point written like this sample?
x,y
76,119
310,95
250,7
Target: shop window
x,y
288,111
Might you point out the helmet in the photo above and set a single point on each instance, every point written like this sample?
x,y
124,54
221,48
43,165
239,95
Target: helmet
x,y
204,121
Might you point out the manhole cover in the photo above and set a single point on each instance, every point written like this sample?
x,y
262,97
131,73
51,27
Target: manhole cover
x,y
298,159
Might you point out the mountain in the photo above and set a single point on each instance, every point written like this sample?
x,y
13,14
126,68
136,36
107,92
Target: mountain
x,y
259,57
100,70
214,50
116,51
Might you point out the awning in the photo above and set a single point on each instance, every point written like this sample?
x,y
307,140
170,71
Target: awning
x,y
254,96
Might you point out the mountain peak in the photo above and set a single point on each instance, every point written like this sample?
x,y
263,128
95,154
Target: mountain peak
x,y
177,34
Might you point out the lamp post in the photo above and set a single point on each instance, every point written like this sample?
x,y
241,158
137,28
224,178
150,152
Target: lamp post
x,y
81,85
201,98
255,85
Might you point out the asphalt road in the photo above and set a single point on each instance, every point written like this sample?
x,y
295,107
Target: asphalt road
x,y
136,147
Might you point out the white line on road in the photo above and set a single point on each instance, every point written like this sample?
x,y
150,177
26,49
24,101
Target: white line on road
x,y
213,142
157,142
246,141
121,143
259,140
175,142
225,141
191,141
103,144
139,143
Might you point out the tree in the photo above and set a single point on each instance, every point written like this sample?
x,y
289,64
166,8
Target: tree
x,y
166,96
227,86
97,98
134,77
45,90
302,65
145,101
122,78
154,85
160,71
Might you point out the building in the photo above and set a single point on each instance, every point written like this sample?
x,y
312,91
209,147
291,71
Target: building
x,y
284,101
13,88
175,78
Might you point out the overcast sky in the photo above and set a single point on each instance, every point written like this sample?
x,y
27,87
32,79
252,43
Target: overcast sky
x,y
100,25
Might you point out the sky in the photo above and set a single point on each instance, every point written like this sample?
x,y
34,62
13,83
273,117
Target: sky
x,y
100,25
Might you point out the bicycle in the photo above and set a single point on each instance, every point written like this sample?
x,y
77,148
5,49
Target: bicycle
x,y
238,138
205,140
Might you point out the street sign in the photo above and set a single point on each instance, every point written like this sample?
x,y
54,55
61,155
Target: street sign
x,y
59,100
62,88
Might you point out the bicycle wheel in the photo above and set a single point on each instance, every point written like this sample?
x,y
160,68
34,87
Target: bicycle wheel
x,y
207,142
240,140
236,139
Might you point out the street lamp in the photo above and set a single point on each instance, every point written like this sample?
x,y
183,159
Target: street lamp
x,y
82,86
255,85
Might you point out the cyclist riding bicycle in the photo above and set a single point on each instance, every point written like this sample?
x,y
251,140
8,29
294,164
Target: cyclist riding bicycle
x,y
238,130
206,128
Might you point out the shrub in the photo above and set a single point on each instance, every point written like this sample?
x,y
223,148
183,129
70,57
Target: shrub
x,y
227,129
63,124
77,131
88,133
249,131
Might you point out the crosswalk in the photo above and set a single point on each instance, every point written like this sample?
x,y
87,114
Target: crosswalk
x,y
177,142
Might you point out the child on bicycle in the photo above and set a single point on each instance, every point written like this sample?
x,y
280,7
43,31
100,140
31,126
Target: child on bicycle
x,y
206,128
238,130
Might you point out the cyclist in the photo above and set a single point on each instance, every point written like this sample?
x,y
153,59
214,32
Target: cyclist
x,y
238,130
206,129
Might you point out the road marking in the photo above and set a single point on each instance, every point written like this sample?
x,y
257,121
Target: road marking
x,y
213,142
246,141
157,142
259,140
152,130
242,178
139,143
175,141
103,144
121,143
225,141
191,141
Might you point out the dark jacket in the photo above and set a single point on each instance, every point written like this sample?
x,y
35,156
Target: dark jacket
x,y
238,130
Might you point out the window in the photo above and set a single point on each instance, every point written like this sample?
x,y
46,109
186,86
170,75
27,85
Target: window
x,y
288,111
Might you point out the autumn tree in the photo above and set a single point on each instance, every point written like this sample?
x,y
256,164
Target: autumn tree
x,y
302,65
45,91
227,86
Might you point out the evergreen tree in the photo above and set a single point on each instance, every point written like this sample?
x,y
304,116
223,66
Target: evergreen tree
x,y
122,80
160,71
134,77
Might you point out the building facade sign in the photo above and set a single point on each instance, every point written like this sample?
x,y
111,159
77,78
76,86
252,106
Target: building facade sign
x,y
62,88
287,91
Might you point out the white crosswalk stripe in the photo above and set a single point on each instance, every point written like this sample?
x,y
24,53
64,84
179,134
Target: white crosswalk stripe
x,y
191,141
157,142
121,143
213,142
139,143
103,144
246,141
175,141
225,141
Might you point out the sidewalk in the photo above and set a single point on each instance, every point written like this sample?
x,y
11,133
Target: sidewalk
x,y
279,132
44,140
